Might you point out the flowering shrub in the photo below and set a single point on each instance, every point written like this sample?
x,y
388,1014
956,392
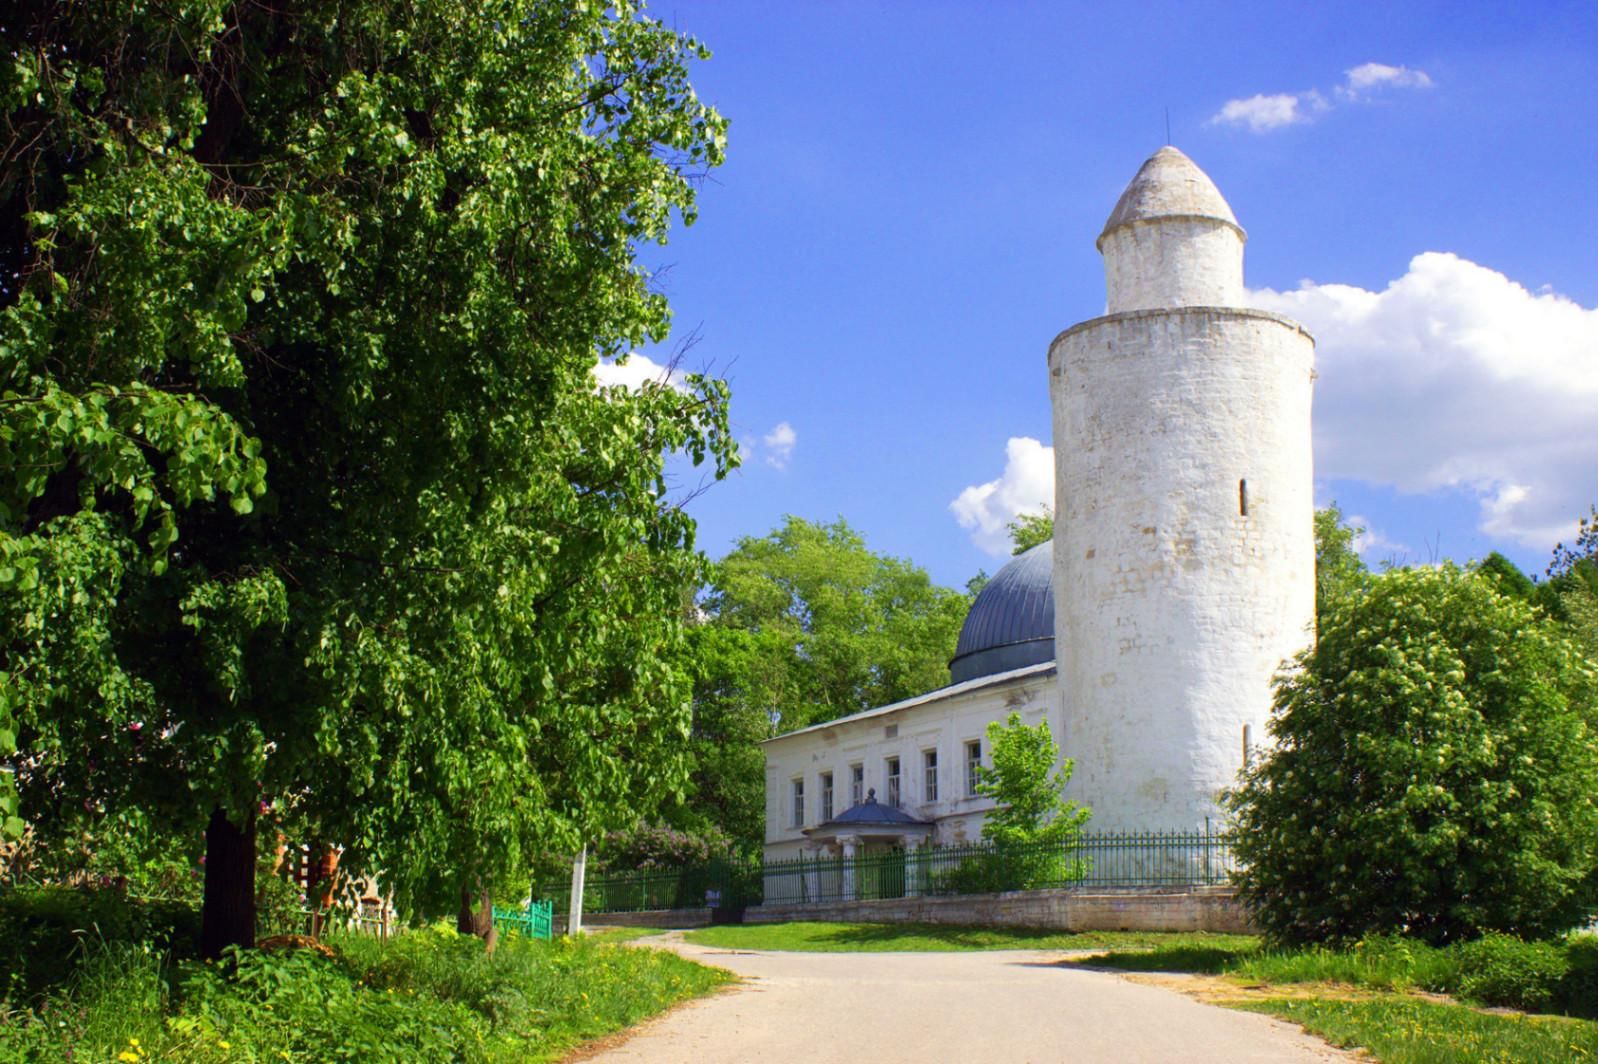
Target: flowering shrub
x,y
1434,773
651,846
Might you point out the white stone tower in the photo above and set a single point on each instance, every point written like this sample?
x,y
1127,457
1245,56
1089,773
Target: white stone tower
x,y
1184,556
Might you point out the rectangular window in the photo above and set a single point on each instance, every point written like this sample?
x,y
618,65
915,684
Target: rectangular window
x,y
929,763
857,784
826,796
973,761
893,782
799,803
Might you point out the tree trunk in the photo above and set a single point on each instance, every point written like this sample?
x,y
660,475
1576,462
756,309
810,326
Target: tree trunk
x,y
478,919
227,915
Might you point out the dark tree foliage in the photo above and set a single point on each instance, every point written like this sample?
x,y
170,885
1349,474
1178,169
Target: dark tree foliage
x,y
1434,773
311,515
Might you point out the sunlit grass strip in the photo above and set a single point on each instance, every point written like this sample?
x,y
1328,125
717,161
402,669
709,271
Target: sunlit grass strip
x,y
814,937
1406,1030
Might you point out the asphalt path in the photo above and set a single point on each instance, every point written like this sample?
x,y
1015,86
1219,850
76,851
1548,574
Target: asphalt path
x,y
929,1008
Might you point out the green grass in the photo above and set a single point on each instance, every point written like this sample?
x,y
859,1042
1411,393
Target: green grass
x,y
425,995
1382,964
1406,1030
807,937
1378,964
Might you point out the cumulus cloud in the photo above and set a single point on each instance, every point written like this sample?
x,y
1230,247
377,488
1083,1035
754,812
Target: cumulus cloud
x,y
1370,76
779,444
635,372
1025,486
1456,376
1261,113
1266,112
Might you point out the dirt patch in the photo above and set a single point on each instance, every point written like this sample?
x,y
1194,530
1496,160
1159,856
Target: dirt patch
x,y
1228,990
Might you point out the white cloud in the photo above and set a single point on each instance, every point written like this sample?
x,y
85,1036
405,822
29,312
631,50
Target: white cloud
x,y
1265,113
635,372
1455,376
779,444
1025,486
1367,76
1261,113
1372,544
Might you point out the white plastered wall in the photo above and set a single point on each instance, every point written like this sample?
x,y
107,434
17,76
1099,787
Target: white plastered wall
x,y
942,722
1173,262
1173,608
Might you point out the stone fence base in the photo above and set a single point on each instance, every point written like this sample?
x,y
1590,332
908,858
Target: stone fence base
x,y
673,918
1200,909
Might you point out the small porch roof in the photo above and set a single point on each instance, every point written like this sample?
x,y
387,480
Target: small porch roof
x,y
871,819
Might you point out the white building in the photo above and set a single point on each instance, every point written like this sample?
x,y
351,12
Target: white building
x,y
1181,576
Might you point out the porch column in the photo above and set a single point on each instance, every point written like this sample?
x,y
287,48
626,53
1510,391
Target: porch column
x,y
849,844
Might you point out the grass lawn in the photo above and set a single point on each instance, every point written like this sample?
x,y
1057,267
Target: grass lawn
x,y
1385,995
1402,1029
807,937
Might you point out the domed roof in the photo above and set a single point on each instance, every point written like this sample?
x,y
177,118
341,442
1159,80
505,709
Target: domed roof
x,y
1169,185
1011,623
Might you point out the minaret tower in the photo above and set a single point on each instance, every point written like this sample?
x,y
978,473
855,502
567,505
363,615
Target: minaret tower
x,y
1184,555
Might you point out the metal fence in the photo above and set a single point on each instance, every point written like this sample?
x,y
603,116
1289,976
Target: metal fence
x,y
719,884
1099,860
534,921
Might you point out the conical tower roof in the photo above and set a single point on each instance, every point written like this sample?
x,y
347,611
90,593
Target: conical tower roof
x,y
1169,185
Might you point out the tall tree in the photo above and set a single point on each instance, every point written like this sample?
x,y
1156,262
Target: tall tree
x,y
1029,530
1571,591
1339,570
840,628
803,625
308,500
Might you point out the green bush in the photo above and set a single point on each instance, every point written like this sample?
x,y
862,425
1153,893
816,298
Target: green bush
x,y
45,932
1433,772
1500,970
1578,991
1023,867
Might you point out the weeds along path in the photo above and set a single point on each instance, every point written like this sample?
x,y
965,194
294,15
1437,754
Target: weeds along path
x,y
1013,1005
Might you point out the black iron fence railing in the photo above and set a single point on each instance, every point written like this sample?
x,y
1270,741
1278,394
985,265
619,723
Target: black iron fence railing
x,y
1098,860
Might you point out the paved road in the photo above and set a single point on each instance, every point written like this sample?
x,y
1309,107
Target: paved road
x,y
932,1008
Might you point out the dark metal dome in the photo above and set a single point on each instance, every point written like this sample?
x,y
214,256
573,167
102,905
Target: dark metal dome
x,y
1011,624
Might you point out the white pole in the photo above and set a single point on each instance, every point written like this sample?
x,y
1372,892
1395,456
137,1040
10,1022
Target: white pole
x,y
574,912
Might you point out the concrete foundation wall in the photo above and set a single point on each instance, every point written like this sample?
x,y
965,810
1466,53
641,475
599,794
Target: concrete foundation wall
x,y
1064,910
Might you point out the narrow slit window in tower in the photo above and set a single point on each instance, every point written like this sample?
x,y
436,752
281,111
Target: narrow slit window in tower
x,y
1242,497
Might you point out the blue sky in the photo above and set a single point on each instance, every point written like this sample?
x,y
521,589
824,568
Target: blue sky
x,y
912,192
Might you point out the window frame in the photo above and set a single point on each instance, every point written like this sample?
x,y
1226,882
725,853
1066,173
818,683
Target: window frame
x,y
929,774
972,746
826,797
857,783
893,775
796,794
